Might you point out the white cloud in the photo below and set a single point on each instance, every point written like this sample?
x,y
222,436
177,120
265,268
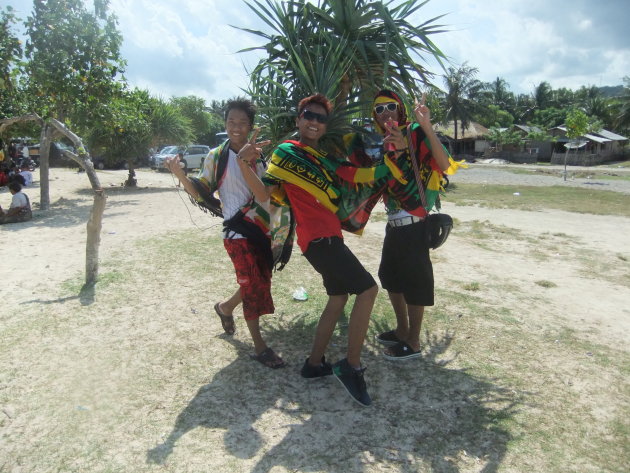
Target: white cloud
x,y
179,47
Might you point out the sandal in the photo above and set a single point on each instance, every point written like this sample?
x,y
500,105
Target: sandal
x,y
401,351
269,358
227,321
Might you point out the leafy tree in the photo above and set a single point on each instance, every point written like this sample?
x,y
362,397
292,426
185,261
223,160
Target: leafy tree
x,y
11,100
622,117
462,92
549,117
503,136
493,115
577,124
135,122
204,124
74,59
543,96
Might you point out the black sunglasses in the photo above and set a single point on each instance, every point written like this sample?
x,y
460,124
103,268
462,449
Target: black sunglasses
x,y
391,107
308,115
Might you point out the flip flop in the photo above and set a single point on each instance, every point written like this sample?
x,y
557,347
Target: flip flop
x,y
269,358
227,321
401,351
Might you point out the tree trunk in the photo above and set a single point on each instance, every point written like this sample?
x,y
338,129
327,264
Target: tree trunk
x,y
45,140
131,178
95,222
94,225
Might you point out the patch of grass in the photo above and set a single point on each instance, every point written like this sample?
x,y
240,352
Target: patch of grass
x,y
532,198
544,283
472,286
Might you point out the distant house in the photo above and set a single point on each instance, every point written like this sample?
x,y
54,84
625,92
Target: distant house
x,y
592,148
542,149
470,140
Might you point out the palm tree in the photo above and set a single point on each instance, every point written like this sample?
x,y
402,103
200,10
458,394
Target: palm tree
x,y
462,90
363,44
622,120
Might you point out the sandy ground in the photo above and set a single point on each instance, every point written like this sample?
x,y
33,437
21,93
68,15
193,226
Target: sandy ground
x,y
600,309
84,384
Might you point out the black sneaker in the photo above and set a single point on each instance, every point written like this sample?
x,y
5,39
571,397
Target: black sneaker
x,y
353,381
388,339
310,371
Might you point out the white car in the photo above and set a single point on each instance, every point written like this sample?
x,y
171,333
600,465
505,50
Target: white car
x,y
192,156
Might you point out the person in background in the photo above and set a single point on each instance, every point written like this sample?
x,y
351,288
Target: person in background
x,y
20,209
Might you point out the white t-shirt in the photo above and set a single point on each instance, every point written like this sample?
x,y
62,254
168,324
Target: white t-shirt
x,y
234,191
28,177
18,200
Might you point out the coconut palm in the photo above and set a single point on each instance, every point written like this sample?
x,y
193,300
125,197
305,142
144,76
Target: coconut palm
x,y
462,90
622,120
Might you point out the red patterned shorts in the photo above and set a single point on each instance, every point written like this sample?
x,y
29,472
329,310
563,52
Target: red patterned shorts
x,y
252,275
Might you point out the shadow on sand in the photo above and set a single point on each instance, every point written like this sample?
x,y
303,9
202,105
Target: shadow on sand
x,y
425,416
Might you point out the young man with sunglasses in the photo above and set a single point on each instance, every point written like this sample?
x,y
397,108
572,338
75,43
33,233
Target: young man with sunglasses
x,y
406,271
310,181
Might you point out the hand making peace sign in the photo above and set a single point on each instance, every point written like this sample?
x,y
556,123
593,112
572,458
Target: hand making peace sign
x,y
422,112
252,150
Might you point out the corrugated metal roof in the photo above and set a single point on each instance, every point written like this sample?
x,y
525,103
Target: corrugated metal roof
x,y
610,135
598,139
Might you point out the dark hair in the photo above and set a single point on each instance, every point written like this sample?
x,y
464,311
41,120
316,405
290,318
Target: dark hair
x,y
15,186
319,99
241,104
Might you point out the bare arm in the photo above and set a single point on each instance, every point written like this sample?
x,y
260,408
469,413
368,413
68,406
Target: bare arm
x,y
261,192
172,164
248,154
423,117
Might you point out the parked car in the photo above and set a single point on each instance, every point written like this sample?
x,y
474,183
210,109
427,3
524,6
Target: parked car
x,y
192,156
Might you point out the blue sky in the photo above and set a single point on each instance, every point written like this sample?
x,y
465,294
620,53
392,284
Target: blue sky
x,y
182,47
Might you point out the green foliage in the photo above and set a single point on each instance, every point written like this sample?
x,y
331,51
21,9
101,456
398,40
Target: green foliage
x,y
10,48
204,123
577,123
492,115
622,116
503,136
74,60
136,121
462,91
549,117
345,50
11,99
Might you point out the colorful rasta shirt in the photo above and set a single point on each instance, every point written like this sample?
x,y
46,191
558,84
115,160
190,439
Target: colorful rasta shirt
x,y
404,194
349,191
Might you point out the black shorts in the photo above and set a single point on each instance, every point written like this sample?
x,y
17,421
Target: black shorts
x,y
406,265
340,269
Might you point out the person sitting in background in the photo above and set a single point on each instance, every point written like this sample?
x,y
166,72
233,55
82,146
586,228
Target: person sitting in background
x,y
27,175
20,209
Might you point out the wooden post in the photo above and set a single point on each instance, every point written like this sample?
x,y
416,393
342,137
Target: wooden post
x,y
94,225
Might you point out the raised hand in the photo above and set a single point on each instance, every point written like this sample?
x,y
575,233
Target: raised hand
x,y
394,135
422,112
252,150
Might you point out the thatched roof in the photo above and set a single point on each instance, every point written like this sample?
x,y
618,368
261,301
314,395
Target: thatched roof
x,y
474,131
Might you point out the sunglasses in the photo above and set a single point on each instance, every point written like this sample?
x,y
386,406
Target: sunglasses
x,y
390,107
308,115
